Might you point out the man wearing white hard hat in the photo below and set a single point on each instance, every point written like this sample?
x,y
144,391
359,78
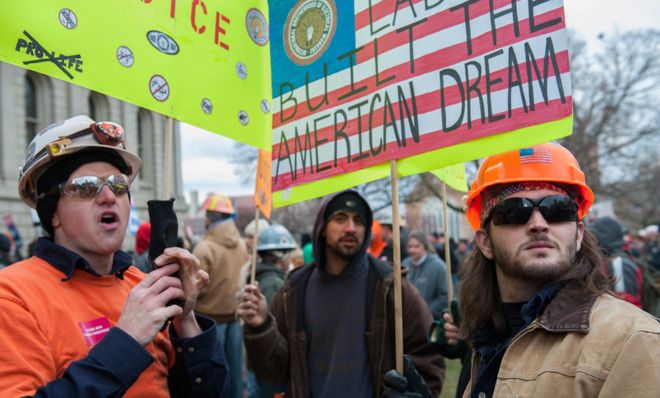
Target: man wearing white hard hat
x,y
78,319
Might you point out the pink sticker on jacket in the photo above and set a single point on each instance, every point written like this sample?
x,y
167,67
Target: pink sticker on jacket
x,y
95,330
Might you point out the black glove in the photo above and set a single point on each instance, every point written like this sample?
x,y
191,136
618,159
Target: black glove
x,y
412,385
437,334
164,228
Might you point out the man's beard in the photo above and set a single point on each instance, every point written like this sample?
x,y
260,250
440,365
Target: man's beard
x,y
340,251
537,269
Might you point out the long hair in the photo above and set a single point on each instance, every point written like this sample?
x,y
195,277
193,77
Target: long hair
x,y
480,295
423,239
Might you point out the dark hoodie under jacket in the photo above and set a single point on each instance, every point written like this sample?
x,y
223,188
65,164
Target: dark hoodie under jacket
x,y
610,234
279,349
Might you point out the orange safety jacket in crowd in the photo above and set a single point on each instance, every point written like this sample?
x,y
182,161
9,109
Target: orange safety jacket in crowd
x,y
55,321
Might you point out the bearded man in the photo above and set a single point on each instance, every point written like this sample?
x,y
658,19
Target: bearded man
x,y
536,308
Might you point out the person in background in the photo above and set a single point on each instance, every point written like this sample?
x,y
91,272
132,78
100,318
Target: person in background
x,y
250,230
5,248
77,319
438,242
377,243
626,275
329,331
142,238
248,237
14,237
427,272
536,306
462,251
387,235
274,246
307,248
297,258
222,253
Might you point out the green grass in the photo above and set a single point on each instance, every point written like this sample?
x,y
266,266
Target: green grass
x,y
451,378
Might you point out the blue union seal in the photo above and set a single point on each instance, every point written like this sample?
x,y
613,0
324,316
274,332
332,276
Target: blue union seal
x,y
257,26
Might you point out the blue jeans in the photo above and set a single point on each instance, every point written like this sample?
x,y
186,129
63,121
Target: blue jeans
x,y
230,338
258,389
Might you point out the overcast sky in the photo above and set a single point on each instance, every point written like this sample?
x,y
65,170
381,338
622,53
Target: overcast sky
x,y
207,156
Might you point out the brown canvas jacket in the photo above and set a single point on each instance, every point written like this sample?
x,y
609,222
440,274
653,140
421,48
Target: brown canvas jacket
x,y
582,346
278,349
222,253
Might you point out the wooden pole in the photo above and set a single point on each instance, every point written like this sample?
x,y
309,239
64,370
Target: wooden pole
x,y
396,240
253,265
167,159
450,292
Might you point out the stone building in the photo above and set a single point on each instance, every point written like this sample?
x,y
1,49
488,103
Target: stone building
x,y
31,101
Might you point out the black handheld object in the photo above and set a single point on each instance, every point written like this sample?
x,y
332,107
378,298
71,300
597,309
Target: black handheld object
x,y
410,384
164,228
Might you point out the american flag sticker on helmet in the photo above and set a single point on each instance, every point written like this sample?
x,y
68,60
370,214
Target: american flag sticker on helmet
x,y
535,155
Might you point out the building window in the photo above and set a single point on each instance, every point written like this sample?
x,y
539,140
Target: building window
x,y
31,108
38,103
145,127
98,106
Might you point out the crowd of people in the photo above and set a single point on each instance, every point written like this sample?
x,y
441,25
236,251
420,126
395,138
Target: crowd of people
x,y
547,302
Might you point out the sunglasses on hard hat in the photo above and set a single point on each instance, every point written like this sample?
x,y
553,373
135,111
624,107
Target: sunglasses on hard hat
x,y
517,211
88,187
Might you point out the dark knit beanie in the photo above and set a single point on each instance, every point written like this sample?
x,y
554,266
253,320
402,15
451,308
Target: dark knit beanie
x,y
60,171
349,201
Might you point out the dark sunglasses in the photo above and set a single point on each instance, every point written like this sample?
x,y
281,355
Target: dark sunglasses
x,y
517,211
88,187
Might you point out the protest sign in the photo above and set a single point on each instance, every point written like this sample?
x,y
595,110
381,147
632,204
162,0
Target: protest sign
x,y
429,83
454,176
202,62
262,189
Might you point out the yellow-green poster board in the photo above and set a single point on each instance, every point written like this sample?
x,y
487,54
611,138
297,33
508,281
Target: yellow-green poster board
x,y
202,62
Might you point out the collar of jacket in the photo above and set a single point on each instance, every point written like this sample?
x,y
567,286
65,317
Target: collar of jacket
x,y
569,311
421,261
68,261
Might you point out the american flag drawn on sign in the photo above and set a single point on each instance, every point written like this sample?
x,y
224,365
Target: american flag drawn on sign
x,y
359,83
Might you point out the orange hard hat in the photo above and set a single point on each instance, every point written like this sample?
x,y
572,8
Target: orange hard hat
x,y
218,203
549,162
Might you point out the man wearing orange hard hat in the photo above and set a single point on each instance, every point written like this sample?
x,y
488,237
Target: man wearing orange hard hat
x,y
535,307
222,253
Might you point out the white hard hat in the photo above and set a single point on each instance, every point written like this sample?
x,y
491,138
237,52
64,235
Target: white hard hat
x,y
251,227
68,137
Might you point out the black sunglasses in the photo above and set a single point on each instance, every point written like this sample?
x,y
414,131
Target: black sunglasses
x,y
517,211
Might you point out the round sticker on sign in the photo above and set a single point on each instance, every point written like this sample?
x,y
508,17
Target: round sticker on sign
x,y
207,106
68,18
257,26
243,118
241,70
265,106
125,56
159,88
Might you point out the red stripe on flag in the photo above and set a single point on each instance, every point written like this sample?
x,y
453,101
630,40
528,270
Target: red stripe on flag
x,y
429,142
425,64
425,103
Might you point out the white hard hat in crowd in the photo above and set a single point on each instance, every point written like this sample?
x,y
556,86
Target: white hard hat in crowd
x,y
68,137
251,227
